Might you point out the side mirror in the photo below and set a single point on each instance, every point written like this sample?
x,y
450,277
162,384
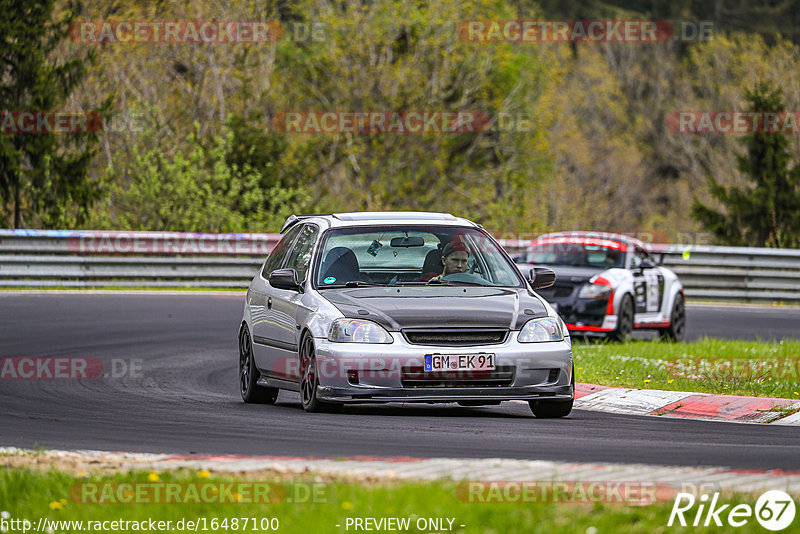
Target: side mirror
x,y
285,279
647,263
541,277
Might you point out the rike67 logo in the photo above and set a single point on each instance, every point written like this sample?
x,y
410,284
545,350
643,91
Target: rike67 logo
x,y
774,510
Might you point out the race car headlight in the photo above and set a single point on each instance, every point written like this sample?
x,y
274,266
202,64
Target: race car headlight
x,y
594,291
541,330
358,331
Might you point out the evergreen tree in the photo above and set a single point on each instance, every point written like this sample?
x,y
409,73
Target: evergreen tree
x,y
43,177
768,212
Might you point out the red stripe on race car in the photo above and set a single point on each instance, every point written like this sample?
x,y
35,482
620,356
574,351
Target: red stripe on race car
x,y
603,281
594,241
588,328
652,325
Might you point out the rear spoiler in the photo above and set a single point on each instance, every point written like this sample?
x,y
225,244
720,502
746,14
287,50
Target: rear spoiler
x,y
294,219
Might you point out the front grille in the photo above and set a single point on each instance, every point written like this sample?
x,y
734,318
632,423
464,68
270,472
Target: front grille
x,y
417,377
457,337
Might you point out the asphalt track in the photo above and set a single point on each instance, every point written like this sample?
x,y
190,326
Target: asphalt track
x,y
185,398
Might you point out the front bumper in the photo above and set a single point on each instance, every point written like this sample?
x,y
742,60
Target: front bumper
x,y
373,373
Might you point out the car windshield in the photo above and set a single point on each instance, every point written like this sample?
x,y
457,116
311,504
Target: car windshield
x,y
412,255
578,253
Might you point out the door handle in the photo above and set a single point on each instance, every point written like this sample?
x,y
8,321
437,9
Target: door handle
x,y
269,303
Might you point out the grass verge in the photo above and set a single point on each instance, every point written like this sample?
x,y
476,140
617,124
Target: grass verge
x,y
750,368
32,495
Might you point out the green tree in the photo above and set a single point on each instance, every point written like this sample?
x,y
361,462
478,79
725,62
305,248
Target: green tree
x,y
768,212
203,190
43,178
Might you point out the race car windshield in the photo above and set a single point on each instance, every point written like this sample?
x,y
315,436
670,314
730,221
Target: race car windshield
x,y
576,255
412,255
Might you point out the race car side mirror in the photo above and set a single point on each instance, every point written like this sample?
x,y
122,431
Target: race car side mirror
x,y
541,277
647,263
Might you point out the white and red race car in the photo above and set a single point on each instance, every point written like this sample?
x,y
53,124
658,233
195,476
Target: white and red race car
x,y
607,285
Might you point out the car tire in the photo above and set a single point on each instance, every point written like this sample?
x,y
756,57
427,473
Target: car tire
x,y
248,374
624,320
554,409
677,321
309,380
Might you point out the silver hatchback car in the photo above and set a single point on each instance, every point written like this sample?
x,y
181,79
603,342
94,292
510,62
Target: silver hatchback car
x,y
400,307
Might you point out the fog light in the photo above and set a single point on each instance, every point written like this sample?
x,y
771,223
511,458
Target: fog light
x,y
553,376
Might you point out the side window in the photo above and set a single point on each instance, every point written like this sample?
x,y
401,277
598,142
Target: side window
x,y
300,257
278,253
638,257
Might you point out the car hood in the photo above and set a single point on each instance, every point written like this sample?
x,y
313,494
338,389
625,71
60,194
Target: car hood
x,y
566,274
397,308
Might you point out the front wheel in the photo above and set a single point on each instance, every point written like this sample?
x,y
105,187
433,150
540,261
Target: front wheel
x,y
310,380
248,374
677,323
554,409
624,320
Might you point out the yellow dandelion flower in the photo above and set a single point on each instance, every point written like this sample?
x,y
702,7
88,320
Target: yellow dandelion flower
x,y
347,505
670,381
646,380
153,477
63,502
55,505
203,473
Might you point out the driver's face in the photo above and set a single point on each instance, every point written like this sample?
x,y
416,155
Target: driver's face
x,y
456,262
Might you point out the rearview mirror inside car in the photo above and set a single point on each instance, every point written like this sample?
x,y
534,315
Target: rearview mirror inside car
x,y
404,242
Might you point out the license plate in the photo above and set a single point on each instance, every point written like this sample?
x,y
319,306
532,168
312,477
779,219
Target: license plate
x,y
459,362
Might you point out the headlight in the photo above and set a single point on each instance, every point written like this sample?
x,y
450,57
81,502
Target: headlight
x,y
594,291
541,330
358,331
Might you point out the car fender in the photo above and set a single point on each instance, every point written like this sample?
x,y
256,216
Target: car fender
x,y
673,287
316,318
621,281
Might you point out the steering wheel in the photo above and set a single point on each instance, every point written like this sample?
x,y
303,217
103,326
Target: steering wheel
x,y
465,277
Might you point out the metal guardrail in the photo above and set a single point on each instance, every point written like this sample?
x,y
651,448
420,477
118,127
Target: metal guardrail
x,y
738,274
55,258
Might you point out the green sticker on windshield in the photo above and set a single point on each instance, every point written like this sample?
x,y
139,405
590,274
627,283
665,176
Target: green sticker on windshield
x,y
329,280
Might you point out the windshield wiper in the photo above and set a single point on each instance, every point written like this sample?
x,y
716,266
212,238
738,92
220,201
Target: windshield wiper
x,y
351,283
453,283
